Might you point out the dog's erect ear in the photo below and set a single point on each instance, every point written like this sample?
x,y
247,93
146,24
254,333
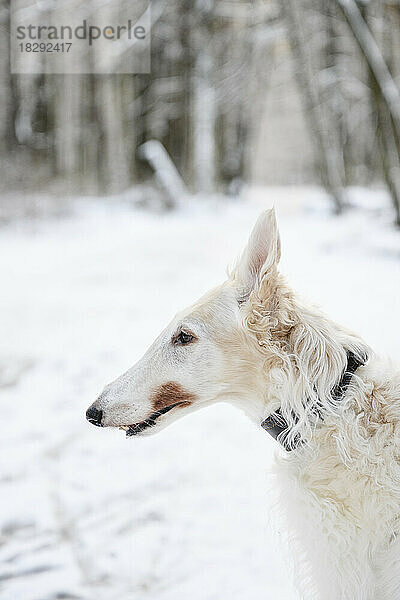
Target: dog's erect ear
x,y
262,254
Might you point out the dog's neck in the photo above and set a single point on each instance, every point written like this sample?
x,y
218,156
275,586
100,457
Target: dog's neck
x,y
276,425
303,369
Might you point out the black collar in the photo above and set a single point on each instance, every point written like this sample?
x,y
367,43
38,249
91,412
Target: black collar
x,y
276,424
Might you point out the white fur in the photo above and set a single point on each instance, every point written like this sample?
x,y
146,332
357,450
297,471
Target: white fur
x,y
259,347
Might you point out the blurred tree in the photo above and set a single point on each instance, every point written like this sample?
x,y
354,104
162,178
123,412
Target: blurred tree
x,y
351,99
206,97
328,151
386,94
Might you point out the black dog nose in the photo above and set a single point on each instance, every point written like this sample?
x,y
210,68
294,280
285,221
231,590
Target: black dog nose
x,y
94,416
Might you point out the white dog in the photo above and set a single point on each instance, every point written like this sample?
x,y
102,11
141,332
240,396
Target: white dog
x,y
332,406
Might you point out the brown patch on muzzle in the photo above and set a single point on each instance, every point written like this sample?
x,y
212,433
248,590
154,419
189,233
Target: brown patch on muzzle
x,y
171,393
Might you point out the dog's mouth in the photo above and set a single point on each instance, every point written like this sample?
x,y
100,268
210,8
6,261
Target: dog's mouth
x,y
137,428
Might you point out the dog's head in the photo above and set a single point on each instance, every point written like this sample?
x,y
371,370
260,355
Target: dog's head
x,y
206,354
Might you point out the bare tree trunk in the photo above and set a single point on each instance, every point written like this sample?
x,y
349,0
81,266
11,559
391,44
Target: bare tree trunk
x,y
204,107
390,159
326,156
116,167
386,97
370,49
330,89
7,89
27,95
67,125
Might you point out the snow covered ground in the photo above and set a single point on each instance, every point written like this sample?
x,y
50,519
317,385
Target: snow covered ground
x,y
88,514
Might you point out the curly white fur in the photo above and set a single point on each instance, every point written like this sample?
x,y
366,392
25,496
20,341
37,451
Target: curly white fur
x,y
339,491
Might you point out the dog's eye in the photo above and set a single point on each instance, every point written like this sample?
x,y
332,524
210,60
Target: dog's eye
x,y
183,338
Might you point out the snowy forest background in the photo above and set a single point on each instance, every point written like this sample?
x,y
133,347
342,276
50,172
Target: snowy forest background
x,y
122,199
259,92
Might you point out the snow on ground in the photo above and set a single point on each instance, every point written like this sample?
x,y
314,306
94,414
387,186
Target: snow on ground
x,y
88,514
